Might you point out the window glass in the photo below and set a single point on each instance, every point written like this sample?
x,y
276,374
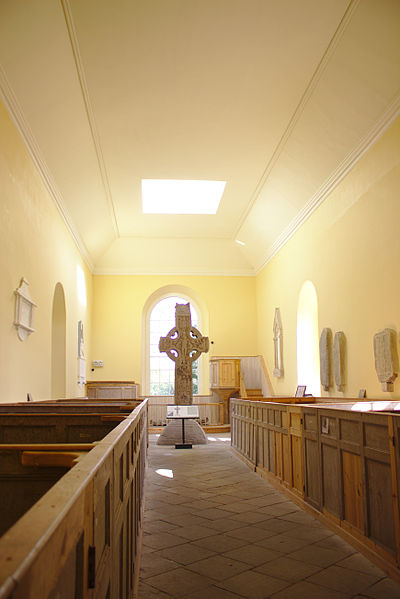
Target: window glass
x,y
162,369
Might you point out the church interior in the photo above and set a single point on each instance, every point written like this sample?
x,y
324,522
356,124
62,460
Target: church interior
x,y
293,110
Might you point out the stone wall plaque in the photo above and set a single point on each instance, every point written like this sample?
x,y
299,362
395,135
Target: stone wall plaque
x,y
386,358
325,358
81,355
24,310
339,359
278,370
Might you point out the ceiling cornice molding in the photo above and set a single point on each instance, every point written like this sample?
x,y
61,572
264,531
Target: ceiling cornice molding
x,y
89,111
180,273
388,117
322,65
16,113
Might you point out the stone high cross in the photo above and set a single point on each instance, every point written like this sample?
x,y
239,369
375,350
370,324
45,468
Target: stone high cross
x,y
183,345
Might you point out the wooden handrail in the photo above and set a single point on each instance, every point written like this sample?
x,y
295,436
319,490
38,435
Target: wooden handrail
x,y
243,391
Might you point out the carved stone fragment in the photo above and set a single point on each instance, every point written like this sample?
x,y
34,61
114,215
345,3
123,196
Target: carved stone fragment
x,y
183,344
325,358
278,370
386,358
339,359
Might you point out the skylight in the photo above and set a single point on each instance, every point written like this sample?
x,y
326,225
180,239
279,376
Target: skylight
x,y
179,196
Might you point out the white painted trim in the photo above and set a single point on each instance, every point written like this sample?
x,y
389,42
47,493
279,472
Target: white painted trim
x,y
299,110
388,117
89,111
189,273
15,111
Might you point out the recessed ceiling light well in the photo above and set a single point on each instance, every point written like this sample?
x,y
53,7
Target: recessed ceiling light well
x,y
181,196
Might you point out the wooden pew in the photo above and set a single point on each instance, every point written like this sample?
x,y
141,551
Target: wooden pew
x,y
340,461
81,538
80,406
28,471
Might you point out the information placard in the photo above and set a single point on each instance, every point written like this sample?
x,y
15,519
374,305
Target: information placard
x,y
182,411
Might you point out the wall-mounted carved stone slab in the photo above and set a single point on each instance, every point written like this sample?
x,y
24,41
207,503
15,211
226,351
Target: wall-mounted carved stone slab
x,y
339,359
24,310
325,358
278,370
386,358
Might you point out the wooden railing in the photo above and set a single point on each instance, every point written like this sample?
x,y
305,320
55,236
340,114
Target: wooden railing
x,y
81,539
337,460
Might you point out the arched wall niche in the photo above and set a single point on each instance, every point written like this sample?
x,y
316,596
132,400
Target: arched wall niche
x,y
199,305
58,343
308,369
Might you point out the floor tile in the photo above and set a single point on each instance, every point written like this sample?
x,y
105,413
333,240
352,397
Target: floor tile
x,y
220,543
212,592
161,540
145,591
317,555
253,585
254,555
185,554
361,564
215,513
151,565
341,579
178,582
225,524
191,533
159,526
282,543
308,590
288,569
251,534
218,567
250,517
384,589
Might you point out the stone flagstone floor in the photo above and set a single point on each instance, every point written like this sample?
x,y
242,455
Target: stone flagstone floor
x,y
215,530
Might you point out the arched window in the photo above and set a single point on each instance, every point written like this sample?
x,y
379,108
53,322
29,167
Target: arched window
x,y
162,369
307,339
160,318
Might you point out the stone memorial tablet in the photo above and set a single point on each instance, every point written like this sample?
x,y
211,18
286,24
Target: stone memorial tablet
x,y
386,359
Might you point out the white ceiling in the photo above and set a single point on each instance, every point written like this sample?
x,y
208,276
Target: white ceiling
x,y
277,97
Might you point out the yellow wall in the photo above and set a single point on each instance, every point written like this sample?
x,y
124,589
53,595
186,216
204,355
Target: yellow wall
x,y
34,243
118,307
350,250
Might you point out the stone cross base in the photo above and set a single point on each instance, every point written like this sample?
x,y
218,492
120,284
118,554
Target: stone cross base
x,y
172,433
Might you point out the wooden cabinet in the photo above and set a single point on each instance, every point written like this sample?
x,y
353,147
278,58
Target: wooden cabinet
x,y
224,373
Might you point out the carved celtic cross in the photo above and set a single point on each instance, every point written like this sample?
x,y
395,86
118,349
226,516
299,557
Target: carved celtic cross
x,y
183,344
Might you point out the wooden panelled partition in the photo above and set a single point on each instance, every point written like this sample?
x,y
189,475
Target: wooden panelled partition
x,y
340,462
81,539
